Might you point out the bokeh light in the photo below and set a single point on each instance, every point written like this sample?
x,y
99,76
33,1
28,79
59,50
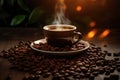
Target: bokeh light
x,y
105,33
92,33
92,24
78,8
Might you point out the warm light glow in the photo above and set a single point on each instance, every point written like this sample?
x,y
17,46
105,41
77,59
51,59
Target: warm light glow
x,y
105,33
92,24
79,8
62,1
91,34
93,0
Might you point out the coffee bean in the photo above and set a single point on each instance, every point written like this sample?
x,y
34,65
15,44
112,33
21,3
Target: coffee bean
x,y
107,72
82,75
101,71
71,72
118,64
116,59
95,73
91,77
87,74
84,69
80,64
109,54
115,54
114,77
78,70
46,75
107,78
88,64
66,74
118,69
112,70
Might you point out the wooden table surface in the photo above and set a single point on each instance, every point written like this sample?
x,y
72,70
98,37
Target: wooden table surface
x,y
11,36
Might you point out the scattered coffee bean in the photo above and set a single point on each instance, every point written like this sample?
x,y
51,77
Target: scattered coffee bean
x,y
46,75
109,54
114,77
95,73
88,64
92,77
116,59
107,78
84,69
115,54
107,72
118,69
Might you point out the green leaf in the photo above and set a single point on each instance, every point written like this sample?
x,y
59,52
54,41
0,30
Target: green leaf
x,y
22,4
35,15
1,3
17,20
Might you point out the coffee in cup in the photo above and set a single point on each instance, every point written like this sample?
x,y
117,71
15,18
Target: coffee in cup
x,y
61,35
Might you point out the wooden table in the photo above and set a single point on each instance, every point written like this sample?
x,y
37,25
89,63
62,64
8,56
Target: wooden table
x,y
11,36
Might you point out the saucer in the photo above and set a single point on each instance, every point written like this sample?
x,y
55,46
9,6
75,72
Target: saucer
x,y
43,41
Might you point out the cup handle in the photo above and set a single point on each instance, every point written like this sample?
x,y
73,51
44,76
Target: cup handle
x,y
79,37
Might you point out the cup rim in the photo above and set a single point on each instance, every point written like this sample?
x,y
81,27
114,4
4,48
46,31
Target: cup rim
x,y
46,27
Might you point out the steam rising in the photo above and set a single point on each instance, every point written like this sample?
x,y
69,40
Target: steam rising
x,y
60,13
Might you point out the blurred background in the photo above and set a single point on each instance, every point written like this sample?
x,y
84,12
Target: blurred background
x,y
90,16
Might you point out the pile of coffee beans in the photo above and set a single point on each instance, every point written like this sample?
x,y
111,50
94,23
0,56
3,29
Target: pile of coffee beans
x,y
89,64
47,47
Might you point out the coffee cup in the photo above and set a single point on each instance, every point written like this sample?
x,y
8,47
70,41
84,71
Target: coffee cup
x,y
61,35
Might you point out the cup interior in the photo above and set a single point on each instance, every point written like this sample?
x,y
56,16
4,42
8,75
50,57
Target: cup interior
x,y
59,27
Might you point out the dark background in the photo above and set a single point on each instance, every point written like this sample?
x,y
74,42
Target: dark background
x,y
104,14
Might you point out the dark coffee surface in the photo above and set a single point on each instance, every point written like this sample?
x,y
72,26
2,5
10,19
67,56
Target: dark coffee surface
x,y
59,28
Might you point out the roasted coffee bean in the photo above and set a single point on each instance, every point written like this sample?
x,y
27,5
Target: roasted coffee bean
x,y
116,59
56,76
79,64
114,77
87,74
107,78
84,69
118,64
67,66
112,70
88,64
77,77
82,75
32,77
62,78
115,54
45,75
92,77
78,70
95,73
71,72
66,74
101,71
75,74
62,72
118,69
107,72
